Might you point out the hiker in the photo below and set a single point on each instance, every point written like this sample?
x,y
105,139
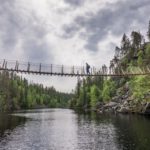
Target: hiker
x,y
87,68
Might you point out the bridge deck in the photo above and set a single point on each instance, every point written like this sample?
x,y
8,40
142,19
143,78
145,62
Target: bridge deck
x,y
61,70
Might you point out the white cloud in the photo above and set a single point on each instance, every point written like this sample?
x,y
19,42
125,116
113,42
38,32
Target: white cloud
x,y
68,32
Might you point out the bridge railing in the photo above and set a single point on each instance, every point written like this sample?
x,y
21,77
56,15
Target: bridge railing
x,y
38,68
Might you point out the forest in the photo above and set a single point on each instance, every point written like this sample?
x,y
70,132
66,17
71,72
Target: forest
x,y
90,92
133,52
16,93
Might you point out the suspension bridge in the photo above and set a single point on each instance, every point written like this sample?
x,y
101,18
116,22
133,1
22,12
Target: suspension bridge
x,y
62,70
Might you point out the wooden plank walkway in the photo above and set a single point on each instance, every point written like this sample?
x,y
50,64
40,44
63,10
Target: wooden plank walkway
x,y
61,70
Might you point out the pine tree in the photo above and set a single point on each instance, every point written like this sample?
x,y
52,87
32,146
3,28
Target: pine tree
x,y
136,39
125,44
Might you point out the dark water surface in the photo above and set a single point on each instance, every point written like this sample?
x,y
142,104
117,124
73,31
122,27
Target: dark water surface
x,y
64,129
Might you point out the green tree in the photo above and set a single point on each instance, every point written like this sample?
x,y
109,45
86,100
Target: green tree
x,y
94,96
108,90
125,44
139,87
140,58
136,39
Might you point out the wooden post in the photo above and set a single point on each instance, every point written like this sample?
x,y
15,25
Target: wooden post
x,y
16,66
62,69
6,65
3,64
28,69
40,67
51,68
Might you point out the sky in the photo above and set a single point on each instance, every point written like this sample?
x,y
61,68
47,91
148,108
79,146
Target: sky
x,y
69,32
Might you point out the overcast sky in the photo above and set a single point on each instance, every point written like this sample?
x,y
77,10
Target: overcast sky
x,y
69,32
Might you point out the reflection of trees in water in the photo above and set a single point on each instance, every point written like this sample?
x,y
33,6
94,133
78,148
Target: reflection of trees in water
x,y
132,132
9,122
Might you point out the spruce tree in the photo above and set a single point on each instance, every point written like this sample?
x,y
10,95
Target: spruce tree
x,y
136,39
125,44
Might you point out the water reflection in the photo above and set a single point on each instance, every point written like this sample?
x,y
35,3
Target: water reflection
x,y
8,123
133,132
63,129
96,132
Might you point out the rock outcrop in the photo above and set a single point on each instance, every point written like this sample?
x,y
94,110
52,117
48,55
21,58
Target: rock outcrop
x,y
123,102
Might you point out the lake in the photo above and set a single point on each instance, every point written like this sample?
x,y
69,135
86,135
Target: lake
x,y
65,129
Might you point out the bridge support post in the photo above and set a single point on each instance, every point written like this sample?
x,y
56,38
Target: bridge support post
x,y
17,66
51,68
6,65
3,66
62,70
40,67
28,68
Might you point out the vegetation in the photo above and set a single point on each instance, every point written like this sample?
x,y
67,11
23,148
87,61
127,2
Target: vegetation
x,y
17,93
140,87
133,54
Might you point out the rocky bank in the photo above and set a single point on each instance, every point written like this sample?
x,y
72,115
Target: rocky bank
x,y
123,102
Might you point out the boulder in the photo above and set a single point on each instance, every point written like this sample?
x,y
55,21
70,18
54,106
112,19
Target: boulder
x,y
111,104
124,109
125,103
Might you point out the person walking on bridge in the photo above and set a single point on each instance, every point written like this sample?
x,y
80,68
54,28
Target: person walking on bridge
x,y
88,68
